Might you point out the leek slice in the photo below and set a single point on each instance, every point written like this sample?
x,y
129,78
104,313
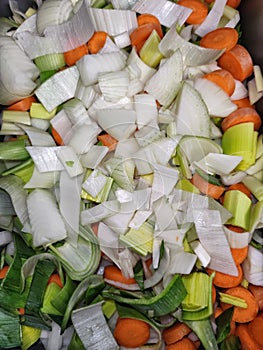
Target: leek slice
x,y
37,110
150,53
203,329
241,140
92,328
13,150
255,186
192,116
237,203
30,335
162,304
9,330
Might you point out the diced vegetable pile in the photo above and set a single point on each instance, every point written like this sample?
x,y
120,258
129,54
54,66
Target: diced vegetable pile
x,y
131,184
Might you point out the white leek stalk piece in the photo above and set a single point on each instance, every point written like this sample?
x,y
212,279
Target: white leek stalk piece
x,y
216,99
45,219
70,160
92,328
193,55
201,253
192,117
146,109
59,88
114,85
167,12
38,137
55,338
94,156
126,148
138,69
113,22
42,180
86,94
84,137
63,126
18,73
69,201
91,65
180,261
74,32
253,93
165,83
119,222
210,232
94,183
76,112
139,218
122,40
236,240
253,266
215,163
99,212
119,123
164,180
240,91
45,158
164,215
212,19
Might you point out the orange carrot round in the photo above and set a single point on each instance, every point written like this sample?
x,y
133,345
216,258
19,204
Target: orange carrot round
x,y
4,271
22,105
97,41
257,291
224,280
175,333
147,18
243,102
239,254
242,315
242,188
108,141
140,34
242,115
72,56
223,78
246,339
220,38
207,188
112,272
21,310
131,333
55,278
235,228
199,10
213,294
237,61
183,344
255,327
57,137
233,3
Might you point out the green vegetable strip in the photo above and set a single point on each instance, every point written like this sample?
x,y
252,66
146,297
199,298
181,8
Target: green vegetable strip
x,y
150,53
223,324
239,206
13,150
50,62
203,329
9,330
164,303
33,316
59,302
23,170
197,286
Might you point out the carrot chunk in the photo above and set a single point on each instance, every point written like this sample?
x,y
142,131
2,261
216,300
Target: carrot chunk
x,y
175,333
223,78
246,339
199,10
205,187
237,61
183,344
112,272
72,56
140,34
257,291
131,333
22,105
3,272
224,280
242,115
220,38
97,41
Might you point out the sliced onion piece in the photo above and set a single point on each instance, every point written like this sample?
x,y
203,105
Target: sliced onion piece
x,y
114,85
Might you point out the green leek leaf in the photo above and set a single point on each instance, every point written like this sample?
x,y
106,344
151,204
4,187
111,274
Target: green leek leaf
x,y
223,324
9,330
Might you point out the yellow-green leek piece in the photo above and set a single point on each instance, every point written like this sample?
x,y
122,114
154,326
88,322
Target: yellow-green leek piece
x,y
50,61
108,308
186,185
255,186
23,170
50,293
16,117
103,194
230,299
37,110
149,53
239,205
140,240
241,140
29,336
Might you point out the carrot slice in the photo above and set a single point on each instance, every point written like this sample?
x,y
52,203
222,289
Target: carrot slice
x,y
108,141
242,315
175,333
147,18
257,291
242,188
213,294
22,105
237,61
112,272
233,3
242,115
55,278
205,187
239,254
3,272
72,56
57,137
224,280
131,333
183,344
223,78
220,38
255,327
235,228
140,34
243,102
97,41
199,13
246,339
21,310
